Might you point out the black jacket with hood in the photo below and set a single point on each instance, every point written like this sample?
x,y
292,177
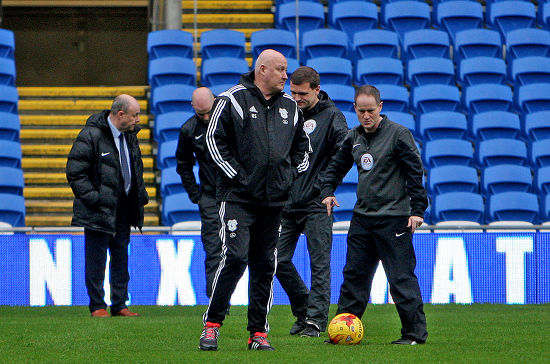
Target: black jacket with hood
x,y
94,174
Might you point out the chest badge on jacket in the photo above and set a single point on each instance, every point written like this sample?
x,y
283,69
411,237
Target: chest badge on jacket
x,y
367,161
284,114
253,112
309,126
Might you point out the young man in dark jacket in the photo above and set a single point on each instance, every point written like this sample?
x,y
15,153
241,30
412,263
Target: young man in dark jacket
x,y
105,172
257,140
192,148
327,128
390,206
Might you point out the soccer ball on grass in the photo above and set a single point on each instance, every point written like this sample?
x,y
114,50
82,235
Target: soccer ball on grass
x,y
345,329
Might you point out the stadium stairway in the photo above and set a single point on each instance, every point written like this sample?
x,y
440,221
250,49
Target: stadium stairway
x,y
246,16
51,118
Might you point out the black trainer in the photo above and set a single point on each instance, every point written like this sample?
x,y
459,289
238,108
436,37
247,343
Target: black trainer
x,y
310,331
209,337
298,326
258,341
405,341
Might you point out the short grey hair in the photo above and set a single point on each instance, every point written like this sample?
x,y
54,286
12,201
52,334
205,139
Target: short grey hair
x,y
120,103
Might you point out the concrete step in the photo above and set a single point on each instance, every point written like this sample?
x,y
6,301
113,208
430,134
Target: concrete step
x,y
66,206
64,149
70,105
64,120
70,134
61,162
65,220
246,30
65,192
227,5
38,178
95,91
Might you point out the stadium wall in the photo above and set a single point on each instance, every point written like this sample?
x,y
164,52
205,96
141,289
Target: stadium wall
x,y
502,267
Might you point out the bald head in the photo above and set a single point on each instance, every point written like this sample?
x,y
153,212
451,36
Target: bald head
x,y
202,101
270,72
124,112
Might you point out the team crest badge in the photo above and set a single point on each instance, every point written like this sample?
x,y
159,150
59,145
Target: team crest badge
x,y
367,162
283,112
232,225
309,126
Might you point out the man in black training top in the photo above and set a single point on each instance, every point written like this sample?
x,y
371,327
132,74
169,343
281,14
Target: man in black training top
x,y
327,128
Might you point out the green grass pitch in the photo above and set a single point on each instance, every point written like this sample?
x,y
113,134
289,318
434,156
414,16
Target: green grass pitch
x,y
479,333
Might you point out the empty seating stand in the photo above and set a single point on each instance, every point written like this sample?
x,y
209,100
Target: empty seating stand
x,y
169,43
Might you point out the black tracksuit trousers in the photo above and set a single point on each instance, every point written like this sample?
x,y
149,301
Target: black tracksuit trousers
x,y
210,231
371,239
249,236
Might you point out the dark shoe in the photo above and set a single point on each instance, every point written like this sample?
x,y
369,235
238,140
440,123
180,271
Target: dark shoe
x,y
329,341
298,326
258,341
100,313
126,313
310,331
209,336
405,341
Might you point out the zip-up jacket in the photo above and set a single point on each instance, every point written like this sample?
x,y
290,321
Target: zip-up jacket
x,y
259,145
389,168
326,126
94,174
191,148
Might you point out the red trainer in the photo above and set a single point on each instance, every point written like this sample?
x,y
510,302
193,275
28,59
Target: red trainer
x,y
258,341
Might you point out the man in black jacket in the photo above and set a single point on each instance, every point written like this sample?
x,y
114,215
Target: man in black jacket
x,y
327,128
257,140
191,148
390,206
105,172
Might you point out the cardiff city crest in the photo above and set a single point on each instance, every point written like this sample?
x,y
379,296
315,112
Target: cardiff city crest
x,y
232,225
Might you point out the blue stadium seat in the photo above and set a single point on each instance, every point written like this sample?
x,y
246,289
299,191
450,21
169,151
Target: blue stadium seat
x,y
351,119
495,124
324,43
379,70
281,40
9,126
169,70
395,98
540,153
454,16
537,126
458,206
172,98
435,97
506,178
403,16
477,42
402,118
353,16
334,70
487,97
7,43
169,43
166,156
177,208
505,16
375,43
442,152
349,182
7,71
442,125
545,209
542,180
220,70
452,178
167,126
218,89
513,206
11,180
526,70
426,43
430,70
347,201
543,15
527,42
311,16
10,154
501,151
12,209
9,99
170,181
477,70
533,97
342,95
222,43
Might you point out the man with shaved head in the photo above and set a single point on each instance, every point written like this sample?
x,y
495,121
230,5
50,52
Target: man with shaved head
x,y
256,139
192,148
105,172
